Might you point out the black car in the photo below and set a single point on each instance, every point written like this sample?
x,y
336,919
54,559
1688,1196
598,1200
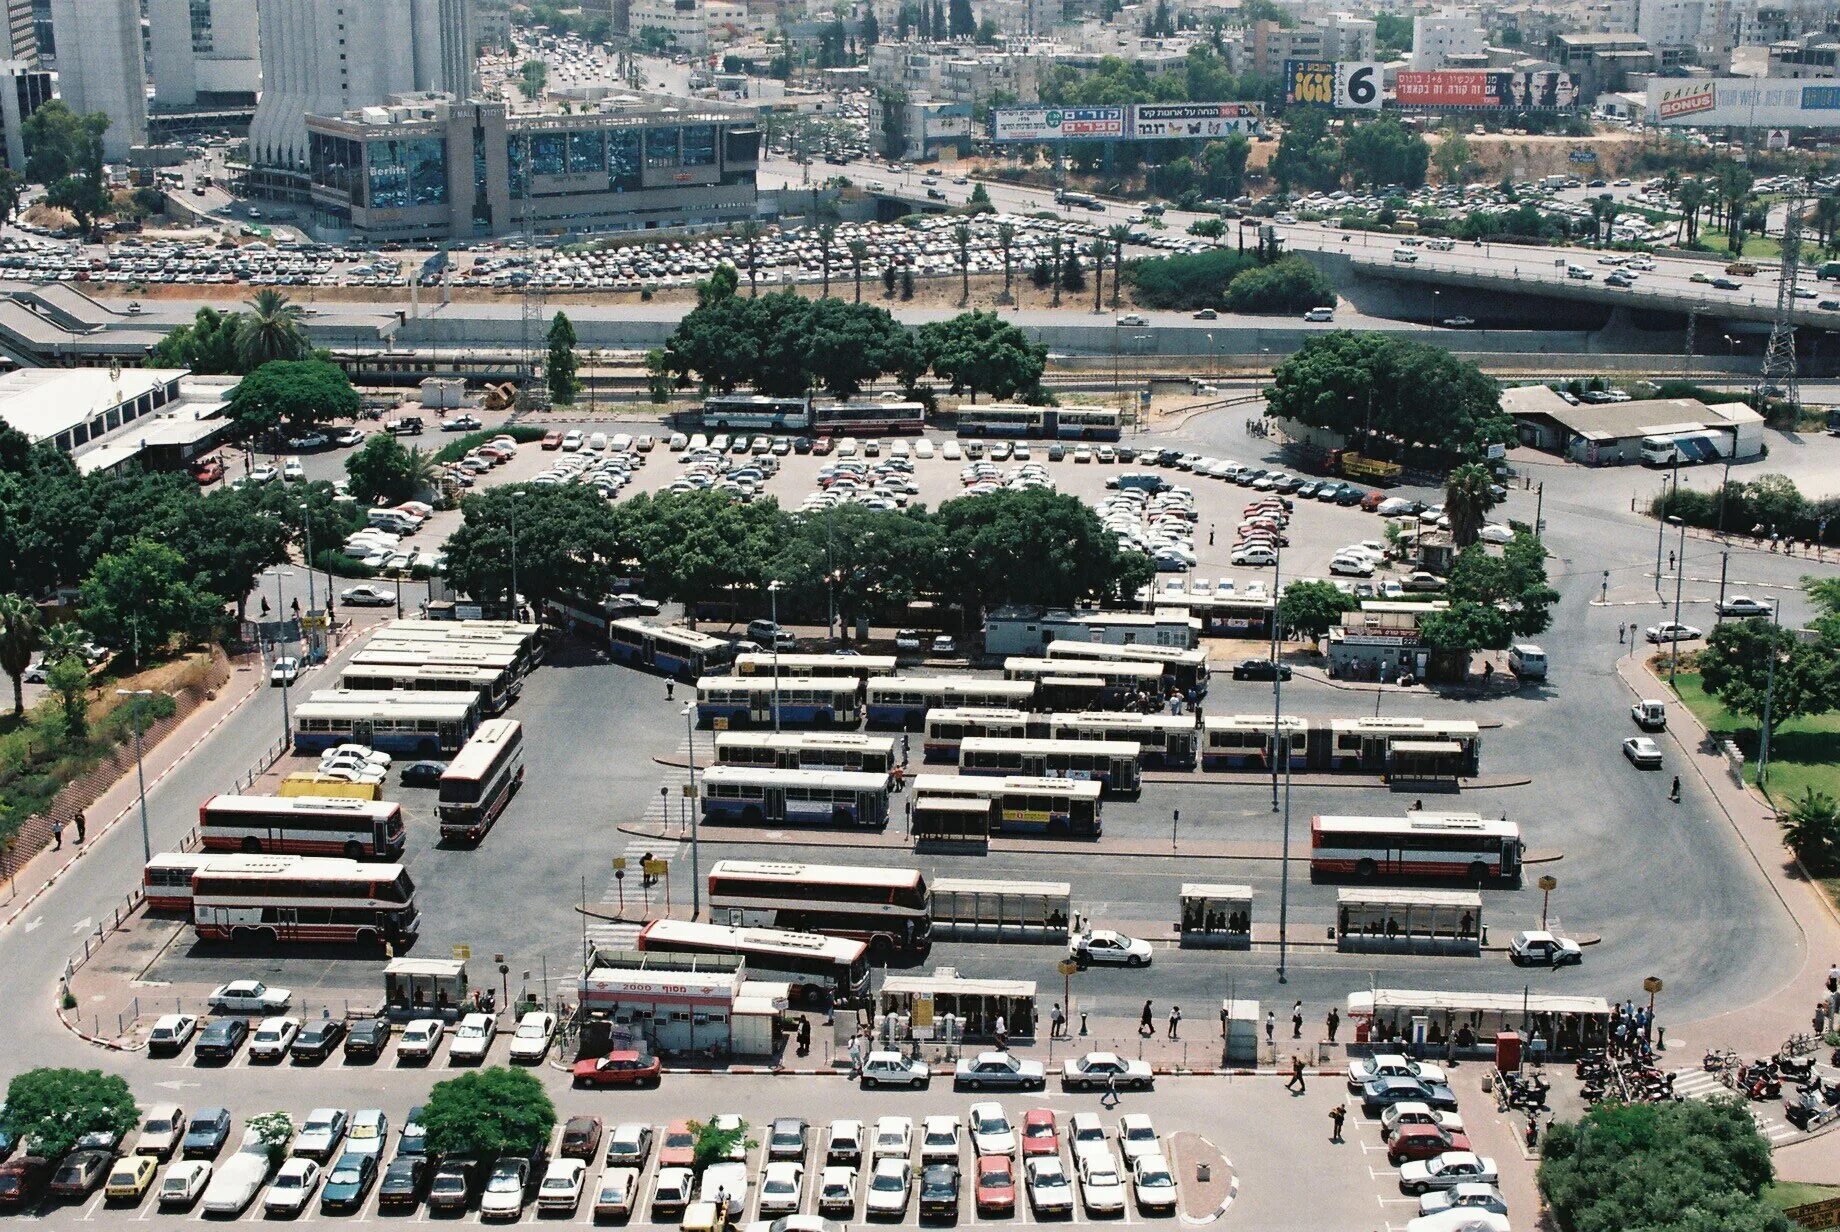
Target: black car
x,y
205,1134
348,1181
423,773
366,1039
404,1183
414,1140
939,1191
221,1039
317,1040
1350,495
1261,669
1127,453
801,445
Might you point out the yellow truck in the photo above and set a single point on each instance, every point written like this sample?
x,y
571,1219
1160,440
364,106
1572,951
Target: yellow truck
x,y
306,783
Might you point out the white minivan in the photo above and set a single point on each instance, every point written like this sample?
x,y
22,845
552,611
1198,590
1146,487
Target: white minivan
x,y
1527,661
1405,256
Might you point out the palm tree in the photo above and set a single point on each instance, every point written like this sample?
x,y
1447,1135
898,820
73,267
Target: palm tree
x,y
1600,209
1120,235
1098,252
750,237
271,330
21,634
1055,248
1006,240
961,235
1827,220
424,470
859,251
1468,497
827,241
1811,829
1692,196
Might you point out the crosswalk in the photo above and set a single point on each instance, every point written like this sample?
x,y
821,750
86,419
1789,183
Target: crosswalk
x,y
1698,1084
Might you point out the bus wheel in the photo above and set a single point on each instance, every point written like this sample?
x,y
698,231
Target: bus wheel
x,y
354,851
1366,868
881,948
427,748
239,936
752,815
252,845
267,938
368,936
1478,873
841,817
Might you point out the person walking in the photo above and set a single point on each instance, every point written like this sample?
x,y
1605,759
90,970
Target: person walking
x,y
1146,1022
1175,1020
1297,1019
82,824
804,1037
1057,1022
856,1055
57,834
670,690
1333,1021
1110,1098
1271,1027
1833,978
1337,1115
1674,791
1295,1083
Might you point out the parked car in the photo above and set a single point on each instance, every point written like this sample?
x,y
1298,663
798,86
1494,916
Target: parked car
x,y
321,1133
317,1039
1539,948
78,1175
620,1068
535,1030
581,1137
472,1039
420,1039
1446,1171
1153,1184
999,1070
1097,1070
170,1034
130,1179
1105,947
894,1069
560,1189
273,1037
205,1134
348,1182
404,1183
1422,1142
1261,669
221,1039
1668,631
366,1039
161,1131
1050,1190
248,997
182,1184
616,1195
890,1187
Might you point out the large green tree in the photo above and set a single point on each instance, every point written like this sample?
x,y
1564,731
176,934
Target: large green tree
x,y
1384,151
1310,609
55,1107
1747,661
1811,829
562,538
1512,583
64,153
489,1112
272,329
863,561
382,469
1033,547
292,392
22,632
560,366
138,600
697,546
981,352
209,346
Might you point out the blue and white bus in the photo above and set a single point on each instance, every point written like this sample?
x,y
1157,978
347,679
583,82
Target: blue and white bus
x,y
948,726
1169,740
807,751
671,649
802,701
1113,764
422,724
902,701
759,795
752,412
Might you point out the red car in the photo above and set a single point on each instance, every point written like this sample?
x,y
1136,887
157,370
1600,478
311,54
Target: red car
x,y
679,1149
552,440
581,1137
996,1185
821,446
207,473
618,1069
1039,1136
1422,1142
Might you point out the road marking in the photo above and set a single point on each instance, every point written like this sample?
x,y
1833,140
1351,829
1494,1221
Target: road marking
x,y
34,925
83,925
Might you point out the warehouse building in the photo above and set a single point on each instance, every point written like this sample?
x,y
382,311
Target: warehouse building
x,y
1610,433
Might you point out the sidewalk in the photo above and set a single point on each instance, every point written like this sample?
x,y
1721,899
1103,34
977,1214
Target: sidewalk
x,y
1757,1029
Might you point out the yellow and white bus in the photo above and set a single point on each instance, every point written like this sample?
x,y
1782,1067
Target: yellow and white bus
x,y
766,663
1023,804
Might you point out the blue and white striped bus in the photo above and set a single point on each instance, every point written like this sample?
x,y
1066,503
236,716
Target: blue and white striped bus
x,y
675,651
1169,740
807,751
802,701
948,726
759,795
902,701
424,724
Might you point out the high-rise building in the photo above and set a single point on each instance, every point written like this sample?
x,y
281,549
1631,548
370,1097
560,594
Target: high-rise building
x,y
1446,38
101,68
19,38
329,57
203,53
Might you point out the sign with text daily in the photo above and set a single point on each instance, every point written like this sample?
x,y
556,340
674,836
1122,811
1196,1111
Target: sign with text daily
x,y
1744,102
1346,85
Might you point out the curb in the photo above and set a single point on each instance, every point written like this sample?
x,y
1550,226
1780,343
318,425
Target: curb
x,y
835,1071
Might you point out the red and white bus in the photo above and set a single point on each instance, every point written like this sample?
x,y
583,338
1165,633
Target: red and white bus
x,y
272,899
304,826
890,909
818,968
166,882
479,782
1445,845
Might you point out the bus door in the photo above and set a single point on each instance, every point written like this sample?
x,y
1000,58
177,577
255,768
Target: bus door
x,y
286,921
1511,860
363,731
773,803
450,735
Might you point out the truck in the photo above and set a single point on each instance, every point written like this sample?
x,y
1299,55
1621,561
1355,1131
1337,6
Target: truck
x,y
1650,715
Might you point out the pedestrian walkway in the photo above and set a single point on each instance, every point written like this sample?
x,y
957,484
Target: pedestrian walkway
x,y
1696,1083
613,935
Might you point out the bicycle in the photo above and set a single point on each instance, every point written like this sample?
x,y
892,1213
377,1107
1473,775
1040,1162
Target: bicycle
x,y
1799,1043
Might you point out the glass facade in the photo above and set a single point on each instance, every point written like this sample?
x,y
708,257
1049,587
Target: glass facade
x,y
516,151
700,145
587,152
335,163
549,153
661,147
407,173
624,171
204,39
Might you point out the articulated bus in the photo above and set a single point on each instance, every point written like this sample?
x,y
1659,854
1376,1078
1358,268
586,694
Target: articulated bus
x,y
1185,669
754,413
495,687
807,751
903,701
765,795
1245,741
1113,764
166,881
1169,740
1054,806
303,825
424,724
820,969
1367,743
1442,845
763,663
272,899
889,909
832,701
1067,423
479,782
684,653
947,727
870,417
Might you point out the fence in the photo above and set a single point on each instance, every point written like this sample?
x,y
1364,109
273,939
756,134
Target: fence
x,y
269,756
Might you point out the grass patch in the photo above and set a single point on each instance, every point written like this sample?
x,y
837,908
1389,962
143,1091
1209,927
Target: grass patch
x,y
453,451
1755,246
1804,752
1784,1194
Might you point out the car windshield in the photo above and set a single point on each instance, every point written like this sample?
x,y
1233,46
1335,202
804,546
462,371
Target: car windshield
x,y
288,1180
886,1181
1155,1178
678,1138
177,1184
780,1185
992,1124
346,1176
159,1125
503,1181
1139,1133
449,1183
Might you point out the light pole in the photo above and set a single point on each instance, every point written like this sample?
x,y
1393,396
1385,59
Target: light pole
x,y
696,875
512,507
1280,744
1277,682
286,723
1769,698
140,774
773,588
1652,985
1680,571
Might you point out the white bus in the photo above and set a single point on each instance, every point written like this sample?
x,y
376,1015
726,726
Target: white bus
x,y
273,899
758,795
1444,845
526,639
1245,741
1114,674
902,701
762,663
1170,740
946,728
166,881
1185,669
424,724
396,652
807,751
479,782
889,909
1113,764
671,649
820,969
1022,804
496,687
829,701
303,825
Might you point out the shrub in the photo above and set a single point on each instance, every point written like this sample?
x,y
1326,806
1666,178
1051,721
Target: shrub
x,y
1291,285
523,434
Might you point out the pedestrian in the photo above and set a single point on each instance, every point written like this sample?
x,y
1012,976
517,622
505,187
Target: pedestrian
x,y
1110,1098
1337,1115
82,824
645,870
804,1037
1057,1022
1533,1130
57,834
264,608
1333,1021
1146,1022
670,690
1175,1020
1674,791
1271,1027
1210,534
1223,1020
1820,1017
1002,1031
1833,978
1295,1083
1671,556
1297,1020
856,1050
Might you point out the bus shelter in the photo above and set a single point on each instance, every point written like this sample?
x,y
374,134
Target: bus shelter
x,y
973,909
1215,915
1466,1024
1396,921
946,1006
951,823
1439,762
425,988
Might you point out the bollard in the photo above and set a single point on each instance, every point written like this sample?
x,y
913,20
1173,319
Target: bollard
x,y
1202,1172
1082,1022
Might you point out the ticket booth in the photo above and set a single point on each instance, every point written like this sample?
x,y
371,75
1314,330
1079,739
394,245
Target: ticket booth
x,y
926,1001
425,988
1396,921
1216,916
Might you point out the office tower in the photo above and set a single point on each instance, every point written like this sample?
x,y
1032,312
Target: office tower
x,y
203,53
19,38
100,67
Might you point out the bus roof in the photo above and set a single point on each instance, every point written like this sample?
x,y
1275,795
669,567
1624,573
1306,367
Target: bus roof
x,y
961,714
1404,725
326,868
477,756
1098,748
1416,823
804,740
745,940
522,628
841,874
1078,667
482,675
953,804
989,786
946,686
339,703
845,664
768,776
766,684
1119,719
1068,648
694,638
469,654
379,810
1243,722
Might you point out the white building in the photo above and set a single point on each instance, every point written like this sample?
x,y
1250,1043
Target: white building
x,y
101,68
1442,38
328,57
1670,25
688,22
203,51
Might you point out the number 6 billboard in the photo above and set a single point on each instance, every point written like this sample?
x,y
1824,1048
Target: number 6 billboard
x,y
1346,85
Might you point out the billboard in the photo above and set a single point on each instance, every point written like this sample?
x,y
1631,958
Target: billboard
x,y
1343,84
1194,121
1744,102
1058,123
1545,91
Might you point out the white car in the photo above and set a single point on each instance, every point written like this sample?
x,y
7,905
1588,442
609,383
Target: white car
x,y
271,1038
292,471
894,1138
348,436
1452,1168
1352,566
360,752
472,1039
1540,948
894,1069
1096,1070
171,1033
1101,1183
1363,1070
572,441
535,1030
235,1184
1668,631
617,1195
293,1188
263,474
321,1133
503,1196
1137,1137
890,1187
837,1190
1460,1221
781,1183
248,997
560,1189
1153,1184
1103,946
161,1131
1642,752
991,1131
284,671
1469,1196
366,596
419,1040
1253,556
1414,1112
1050,1192
1744,605
182,1184
939,1139
844,1142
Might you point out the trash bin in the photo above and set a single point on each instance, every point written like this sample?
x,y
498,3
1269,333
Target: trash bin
x,y
1507,1051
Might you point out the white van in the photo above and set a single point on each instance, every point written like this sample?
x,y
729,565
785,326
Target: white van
x,y
622,442
1440,245
394,520
1405,256
1527,661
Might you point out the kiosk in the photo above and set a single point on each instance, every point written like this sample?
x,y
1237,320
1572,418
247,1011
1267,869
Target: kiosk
x,y
975,1005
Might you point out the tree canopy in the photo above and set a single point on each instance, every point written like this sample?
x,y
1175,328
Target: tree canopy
x,y
293,392
1736,668
559,367
1310,609
490,1112
567,538
980,351
55,1107
143,597
383,469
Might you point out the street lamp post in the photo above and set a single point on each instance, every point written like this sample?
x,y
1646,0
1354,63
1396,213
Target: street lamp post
x,y
514,569
140,774
287,724
773,589
1680,571
696,874
1652,985
1769,697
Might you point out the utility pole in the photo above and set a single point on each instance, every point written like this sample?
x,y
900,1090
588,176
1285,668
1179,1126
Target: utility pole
x,y
1680,572
1769,697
